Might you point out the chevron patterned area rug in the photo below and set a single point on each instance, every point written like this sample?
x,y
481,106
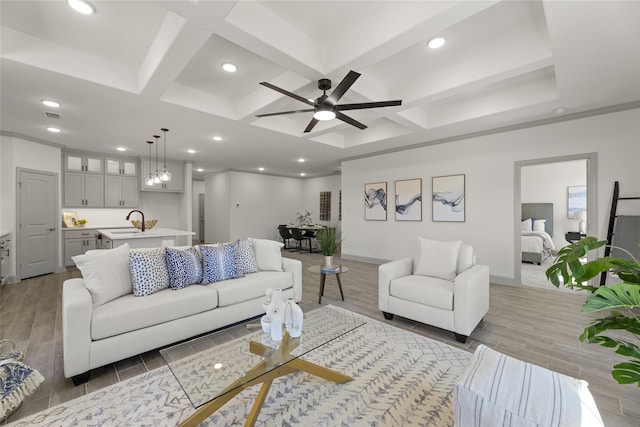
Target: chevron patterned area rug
x,y
399,379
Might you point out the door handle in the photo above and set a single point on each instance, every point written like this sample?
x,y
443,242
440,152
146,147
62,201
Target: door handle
x,y
52,229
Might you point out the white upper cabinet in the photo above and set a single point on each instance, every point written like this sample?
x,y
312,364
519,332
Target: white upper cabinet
x,y
176,185
121,166
83,163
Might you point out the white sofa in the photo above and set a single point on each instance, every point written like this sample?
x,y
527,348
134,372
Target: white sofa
x,y
441,286
96,335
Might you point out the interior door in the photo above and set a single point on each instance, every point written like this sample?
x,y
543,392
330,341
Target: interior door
x,y
36,223
201,216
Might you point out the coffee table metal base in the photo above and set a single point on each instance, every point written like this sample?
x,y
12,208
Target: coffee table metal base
x,y
290,364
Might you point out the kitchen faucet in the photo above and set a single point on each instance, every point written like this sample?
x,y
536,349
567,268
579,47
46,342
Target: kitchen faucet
x,y
136,210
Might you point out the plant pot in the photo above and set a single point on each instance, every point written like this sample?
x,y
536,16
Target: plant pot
x,y
328,260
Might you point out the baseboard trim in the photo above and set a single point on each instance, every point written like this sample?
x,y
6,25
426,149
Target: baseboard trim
x,y
363,259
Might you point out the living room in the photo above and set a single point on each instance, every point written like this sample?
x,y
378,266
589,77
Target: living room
x,y
242,202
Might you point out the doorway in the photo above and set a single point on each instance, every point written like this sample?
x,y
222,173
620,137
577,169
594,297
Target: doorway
x,y
562,221
37,222
201,217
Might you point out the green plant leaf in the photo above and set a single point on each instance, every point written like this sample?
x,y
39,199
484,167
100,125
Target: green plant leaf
x,y
627,372
614,296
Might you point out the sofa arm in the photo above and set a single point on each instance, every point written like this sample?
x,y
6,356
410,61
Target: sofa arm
x,y
77,309
386,273
294,266
471,303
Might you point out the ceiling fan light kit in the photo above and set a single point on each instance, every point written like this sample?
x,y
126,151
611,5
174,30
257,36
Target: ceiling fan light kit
x,y
326,107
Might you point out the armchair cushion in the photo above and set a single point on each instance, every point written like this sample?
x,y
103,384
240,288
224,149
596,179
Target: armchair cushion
x,y
436,258
425,290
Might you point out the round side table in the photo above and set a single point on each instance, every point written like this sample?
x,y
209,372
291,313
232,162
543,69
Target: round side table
x,y
323,271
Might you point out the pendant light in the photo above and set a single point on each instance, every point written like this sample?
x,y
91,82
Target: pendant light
x,y
156,177
165,175
149,180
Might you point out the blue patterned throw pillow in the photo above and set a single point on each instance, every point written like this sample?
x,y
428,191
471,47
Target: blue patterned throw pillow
x,y
184,267
220,262
247,257
149,272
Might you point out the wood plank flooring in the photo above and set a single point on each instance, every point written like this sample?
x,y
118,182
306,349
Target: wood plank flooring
x,y
535,325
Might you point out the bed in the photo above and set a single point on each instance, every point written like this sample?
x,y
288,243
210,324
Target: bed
x,y
536,235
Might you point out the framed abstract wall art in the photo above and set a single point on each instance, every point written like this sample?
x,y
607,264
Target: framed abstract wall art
x,y
408,200
375,201
448,198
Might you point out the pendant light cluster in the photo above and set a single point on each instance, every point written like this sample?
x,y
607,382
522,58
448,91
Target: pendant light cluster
x,y
165,175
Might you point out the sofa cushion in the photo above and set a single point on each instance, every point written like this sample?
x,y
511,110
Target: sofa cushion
x,y
247,257
498,390
268,254
106,273
184,267
436,258
149,272
129,313
423,290
251,286
220,262
466,259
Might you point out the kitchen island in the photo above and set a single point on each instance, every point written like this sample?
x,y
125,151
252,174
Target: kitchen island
x,y
155,237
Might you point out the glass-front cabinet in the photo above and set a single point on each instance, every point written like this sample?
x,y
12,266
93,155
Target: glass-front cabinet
x,y
83,163
119,166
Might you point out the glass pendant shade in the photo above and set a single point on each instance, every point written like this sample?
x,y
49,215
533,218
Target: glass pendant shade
x,y
165,176
149,180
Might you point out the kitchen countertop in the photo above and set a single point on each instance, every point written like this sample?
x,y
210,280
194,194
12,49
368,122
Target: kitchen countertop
x,y
97,227
132,233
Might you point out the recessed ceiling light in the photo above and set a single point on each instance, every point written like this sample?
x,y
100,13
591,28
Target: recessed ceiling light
x,y
50,103
121,149
191,151
200,170
229,67
300,160
53,130
82,6
303,174
436,43
217,138
559,110
261,169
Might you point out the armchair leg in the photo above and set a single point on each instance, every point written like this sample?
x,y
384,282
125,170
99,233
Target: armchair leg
x,y
461,338
388,316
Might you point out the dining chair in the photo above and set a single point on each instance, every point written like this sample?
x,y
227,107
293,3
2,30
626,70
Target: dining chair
x,y
286,236
299,237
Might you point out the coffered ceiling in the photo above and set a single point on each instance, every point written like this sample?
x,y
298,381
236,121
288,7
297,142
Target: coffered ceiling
x,y
134,67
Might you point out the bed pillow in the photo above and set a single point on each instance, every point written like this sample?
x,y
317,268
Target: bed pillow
x,y
247,257
220,262
268,254
106,273
184,267
527,225
436,258
539,224
149,272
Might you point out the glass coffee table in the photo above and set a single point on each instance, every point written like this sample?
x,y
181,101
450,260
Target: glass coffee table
x,y
214,368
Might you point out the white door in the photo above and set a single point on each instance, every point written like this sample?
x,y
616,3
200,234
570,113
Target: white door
x,y
36,223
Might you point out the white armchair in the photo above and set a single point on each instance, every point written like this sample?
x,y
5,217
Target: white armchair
x,y
441,286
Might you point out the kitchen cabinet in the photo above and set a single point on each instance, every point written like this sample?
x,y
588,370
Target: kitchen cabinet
x,y
83,189
83,163
120,191
176,185
77,242
121,166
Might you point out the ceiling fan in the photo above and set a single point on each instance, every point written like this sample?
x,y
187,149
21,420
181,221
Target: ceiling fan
x,y
326,107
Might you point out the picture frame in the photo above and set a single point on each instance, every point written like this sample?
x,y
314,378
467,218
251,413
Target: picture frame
x,y
448,198
576,200
408,199
375,201
70,219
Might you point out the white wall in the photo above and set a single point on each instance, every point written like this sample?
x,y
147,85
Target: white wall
x,y
548,183
488,163
216,208
311,197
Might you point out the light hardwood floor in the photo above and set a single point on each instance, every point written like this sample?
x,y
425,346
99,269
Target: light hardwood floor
x,y
535,325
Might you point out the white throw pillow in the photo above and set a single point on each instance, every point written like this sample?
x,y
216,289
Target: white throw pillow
x,y
436,258
106,273
527,225
268,254
539,224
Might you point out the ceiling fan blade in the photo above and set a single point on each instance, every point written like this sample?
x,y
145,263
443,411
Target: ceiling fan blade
x,y
362,105
342,88
311,125
286,92
285,112
349,120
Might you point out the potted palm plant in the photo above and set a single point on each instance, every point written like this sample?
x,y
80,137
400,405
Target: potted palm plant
x,y
328,242
619,301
